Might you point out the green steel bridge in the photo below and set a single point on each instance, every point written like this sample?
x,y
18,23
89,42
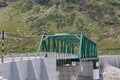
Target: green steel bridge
x,y
68,44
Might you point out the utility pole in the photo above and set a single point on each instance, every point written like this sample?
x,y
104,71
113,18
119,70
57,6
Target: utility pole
x,y
2,47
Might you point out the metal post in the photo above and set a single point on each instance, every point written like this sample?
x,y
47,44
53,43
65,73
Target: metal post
x,y
2,47
13,57
28,55
95,70
40,44
48,45
53,44
80,46
21,57
35,55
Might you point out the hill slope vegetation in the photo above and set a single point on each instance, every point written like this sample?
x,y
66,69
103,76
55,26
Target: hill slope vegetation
x,y
25,20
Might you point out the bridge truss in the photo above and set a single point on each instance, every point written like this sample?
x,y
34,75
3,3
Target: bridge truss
x,y
69,44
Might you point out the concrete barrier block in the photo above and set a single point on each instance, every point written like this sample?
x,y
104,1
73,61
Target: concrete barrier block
x,y
31,71
5,70
15,71
44,72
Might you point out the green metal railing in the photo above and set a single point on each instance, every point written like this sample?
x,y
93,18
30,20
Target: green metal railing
x,y
66,43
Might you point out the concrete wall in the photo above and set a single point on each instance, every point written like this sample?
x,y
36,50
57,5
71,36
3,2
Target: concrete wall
x,y
85,68
113,60
80,71
66,73
36,69
50,63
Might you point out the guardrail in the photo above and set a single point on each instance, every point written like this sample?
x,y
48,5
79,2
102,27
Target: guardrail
x,y
18,57
27,56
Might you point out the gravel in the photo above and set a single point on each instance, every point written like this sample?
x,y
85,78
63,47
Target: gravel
x,y
110,73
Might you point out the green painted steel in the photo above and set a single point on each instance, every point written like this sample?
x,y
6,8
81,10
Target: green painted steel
x,y
68,44
62,62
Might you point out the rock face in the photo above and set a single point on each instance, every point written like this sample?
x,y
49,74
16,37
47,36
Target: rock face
x,y
110,73
3,4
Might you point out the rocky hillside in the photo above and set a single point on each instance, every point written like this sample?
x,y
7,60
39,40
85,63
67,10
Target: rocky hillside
x,y
25,20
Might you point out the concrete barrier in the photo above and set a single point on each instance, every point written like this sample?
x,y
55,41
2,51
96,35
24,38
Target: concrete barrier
x,y
34,69
113,60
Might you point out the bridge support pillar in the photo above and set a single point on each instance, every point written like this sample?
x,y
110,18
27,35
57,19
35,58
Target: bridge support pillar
x,y
96,70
